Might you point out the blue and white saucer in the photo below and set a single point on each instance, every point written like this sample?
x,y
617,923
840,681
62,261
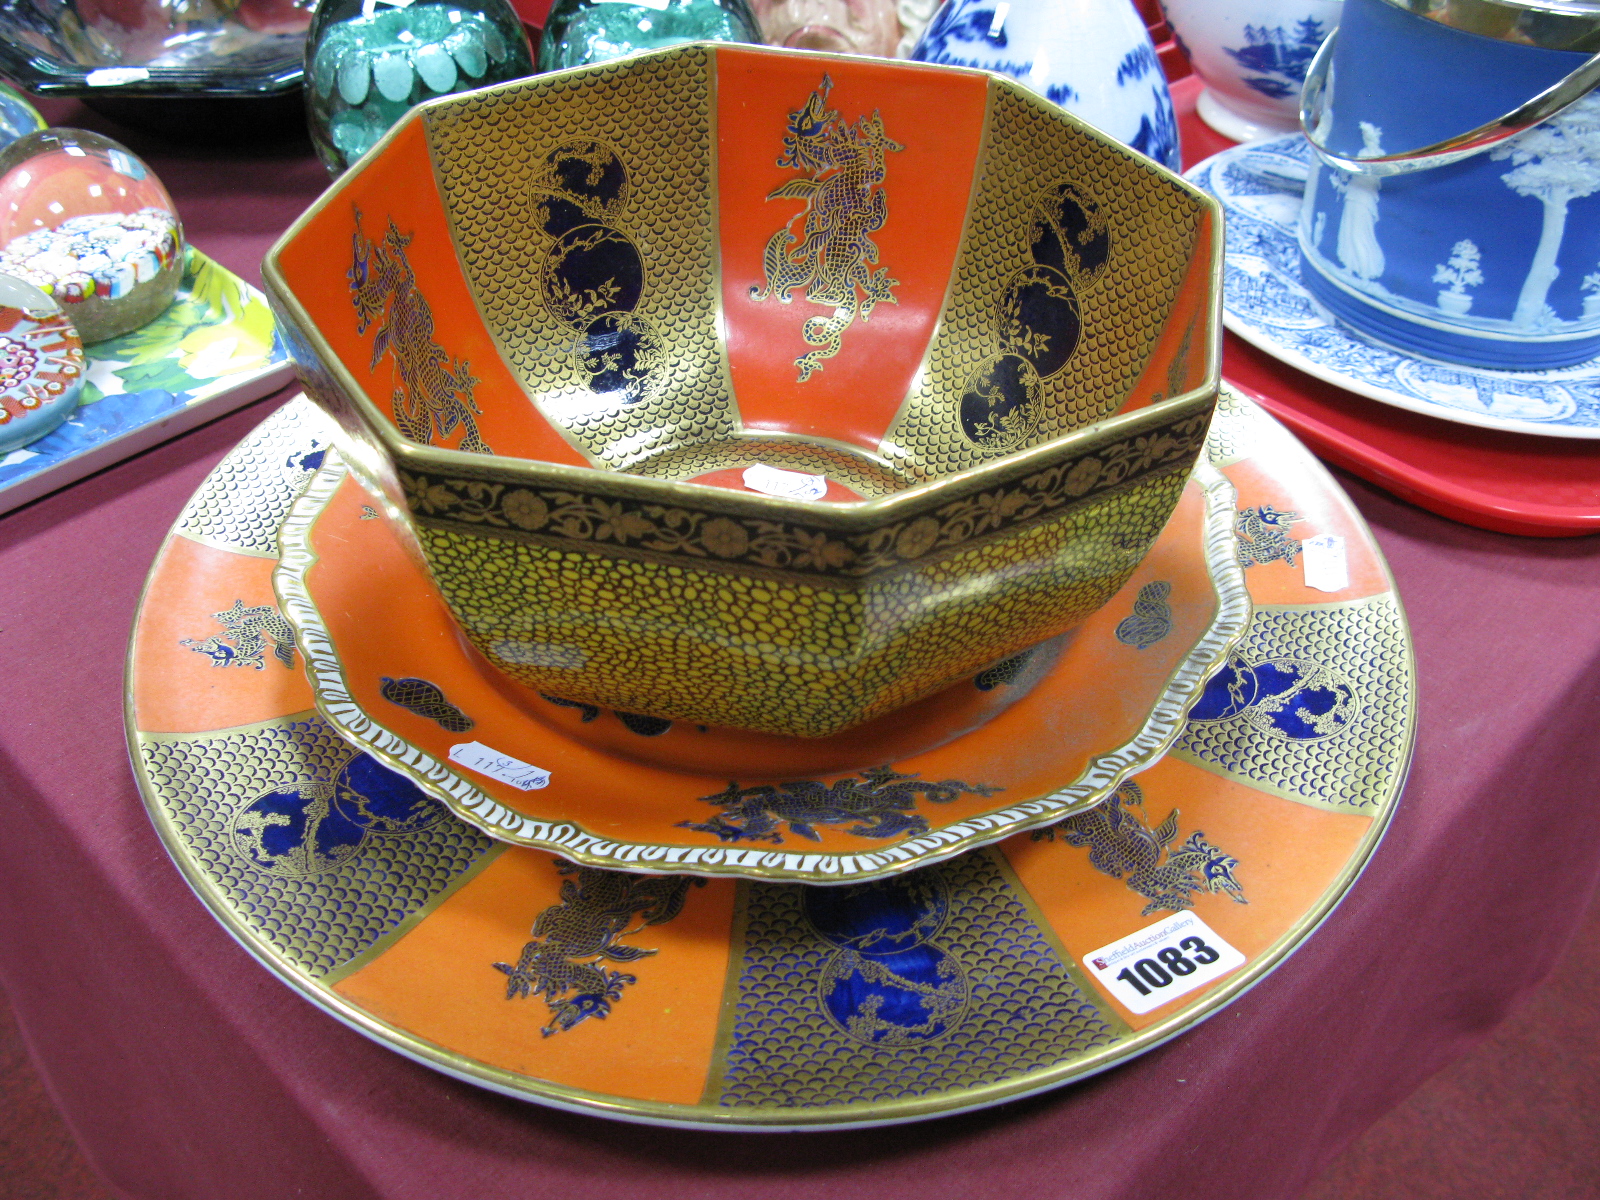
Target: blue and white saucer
x,y
1264,302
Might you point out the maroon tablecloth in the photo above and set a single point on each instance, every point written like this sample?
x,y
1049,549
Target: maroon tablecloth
x,y
188,1073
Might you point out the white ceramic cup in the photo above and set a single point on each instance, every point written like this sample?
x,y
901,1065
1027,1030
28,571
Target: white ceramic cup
x,y
1253,56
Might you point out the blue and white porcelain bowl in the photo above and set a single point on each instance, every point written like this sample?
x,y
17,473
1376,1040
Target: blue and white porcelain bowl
x,y
1253,56
1093,58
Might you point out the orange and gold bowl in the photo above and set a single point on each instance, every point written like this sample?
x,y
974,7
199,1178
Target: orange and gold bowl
x,y
559,318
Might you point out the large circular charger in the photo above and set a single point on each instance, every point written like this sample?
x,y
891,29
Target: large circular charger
x,y
749,1005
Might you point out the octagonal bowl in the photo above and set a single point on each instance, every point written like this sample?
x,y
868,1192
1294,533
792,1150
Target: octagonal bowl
x,y
561,318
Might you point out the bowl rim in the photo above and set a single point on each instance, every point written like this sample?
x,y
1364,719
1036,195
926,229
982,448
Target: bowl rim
x,y
404,454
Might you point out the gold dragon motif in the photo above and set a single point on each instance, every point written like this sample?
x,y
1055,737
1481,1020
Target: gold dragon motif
x,y
564,960
831,256
433,396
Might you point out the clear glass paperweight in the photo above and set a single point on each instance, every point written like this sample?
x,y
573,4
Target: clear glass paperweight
x,y
85,221
17,116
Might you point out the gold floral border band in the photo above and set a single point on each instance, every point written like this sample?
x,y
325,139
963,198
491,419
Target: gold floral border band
x,y
470,499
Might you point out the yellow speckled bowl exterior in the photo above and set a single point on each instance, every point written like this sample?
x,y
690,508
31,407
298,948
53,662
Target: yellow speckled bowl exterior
x,y
541,309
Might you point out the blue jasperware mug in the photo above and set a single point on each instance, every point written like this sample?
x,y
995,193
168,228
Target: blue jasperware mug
x,y
1479,247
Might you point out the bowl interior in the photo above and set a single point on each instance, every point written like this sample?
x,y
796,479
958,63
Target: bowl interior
x,y
686,262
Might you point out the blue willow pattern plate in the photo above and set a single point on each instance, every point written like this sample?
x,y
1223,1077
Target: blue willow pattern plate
x,y
1264,302
1001,972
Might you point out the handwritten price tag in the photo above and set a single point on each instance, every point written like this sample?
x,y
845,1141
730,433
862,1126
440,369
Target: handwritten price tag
x,y
1162,962
475,756
796,485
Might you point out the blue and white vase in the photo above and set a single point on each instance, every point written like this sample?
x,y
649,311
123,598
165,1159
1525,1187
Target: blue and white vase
x,y
1092,57
1492,261
1253,56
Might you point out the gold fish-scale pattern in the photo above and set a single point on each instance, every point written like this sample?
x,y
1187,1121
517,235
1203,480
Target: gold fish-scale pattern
x,y
1024,1008
1234,426
1351,771
320,921
855,470
241,503
489,151
781,653
1240,430
1152,223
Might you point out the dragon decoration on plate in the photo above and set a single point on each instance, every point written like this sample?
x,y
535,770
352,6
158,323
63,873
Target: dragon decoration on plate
x,y
833,253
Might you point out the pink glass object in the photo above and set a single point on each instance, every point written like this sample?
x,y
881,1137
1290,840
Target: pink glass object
x,y
834,26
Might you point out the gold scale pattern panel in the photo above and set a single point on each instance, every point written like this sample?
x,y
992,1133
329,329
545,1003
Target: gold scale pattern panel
x,y
539,610
1012,1005
490,153
327,911
1361,645
242,502
1239,431
1152,224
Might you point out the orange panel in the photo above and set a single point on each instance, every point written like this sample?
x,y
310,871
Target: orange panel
x,y
938,117
439,982
398,187
182,691
1288,853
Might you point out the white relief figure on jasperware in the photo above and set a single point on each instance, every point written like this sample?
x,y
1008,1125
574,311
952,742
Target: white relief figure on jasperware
x,y
1591,294
1458,274
1358,247
1318,229
1555,163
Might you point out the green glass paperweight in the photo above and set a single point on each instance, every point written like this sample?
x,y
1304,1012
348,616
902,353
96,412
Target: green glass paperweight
x,y
368,61
578,32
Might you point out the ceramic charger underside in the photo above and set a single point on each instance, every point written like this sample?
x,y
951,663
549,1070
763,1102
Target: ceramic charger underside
x,y
746,1004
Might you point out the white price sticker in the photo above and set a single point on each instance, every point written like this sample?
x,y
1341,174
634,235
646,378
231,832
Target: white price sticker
x,y
1162,962
774,481
1326,568
487,761
116,76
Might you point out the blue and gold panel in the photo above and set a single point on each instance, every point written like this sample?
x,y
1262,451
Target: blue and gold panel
x,y
1313,705
582,224
241,504
917,985
320,851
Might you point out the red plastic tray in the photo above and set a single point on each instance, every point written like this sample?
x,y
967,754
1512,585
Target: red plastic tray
x,y
1509,482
